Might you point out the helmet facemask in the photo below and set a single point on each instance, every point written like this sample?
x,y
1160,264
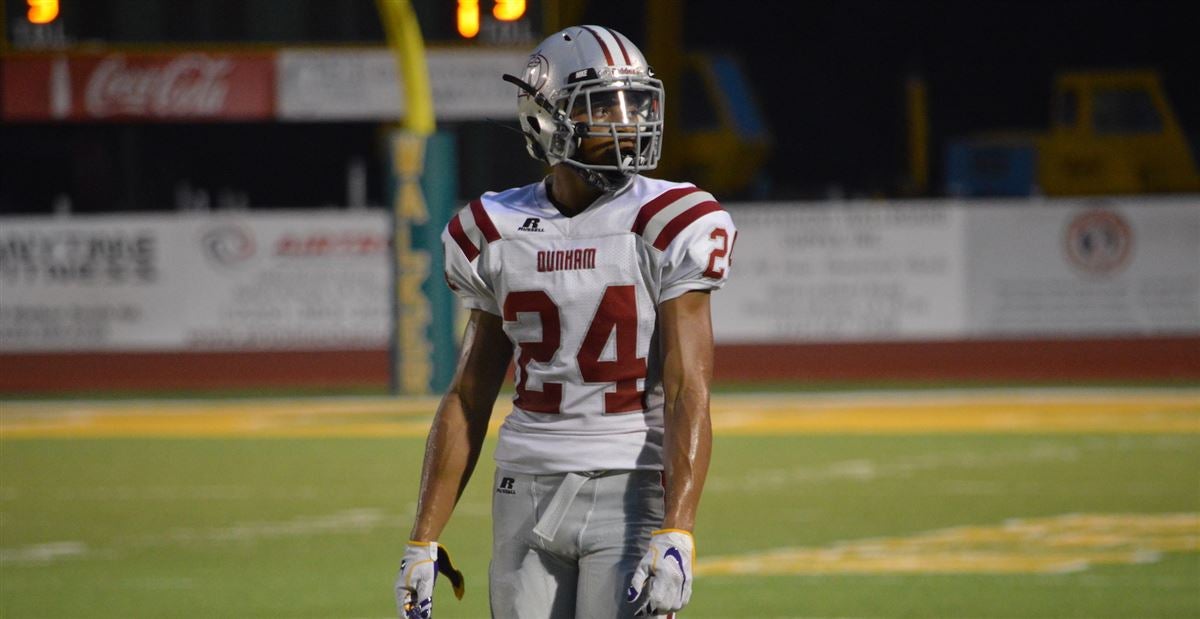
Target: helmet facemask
x,y
621,122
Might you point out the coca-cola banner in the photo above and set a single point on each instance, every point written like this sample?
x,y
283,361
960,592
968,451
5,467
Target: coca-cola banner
x,y
117,86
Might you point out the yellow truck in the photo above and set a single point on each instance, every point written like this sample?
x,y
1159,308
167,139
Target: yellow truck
x,y
1111,132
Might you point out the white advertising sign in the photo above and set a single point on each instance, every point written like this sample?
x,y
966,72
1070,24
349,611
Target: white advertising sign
x,y
194,282
361,84
856,272
1128,266
812,273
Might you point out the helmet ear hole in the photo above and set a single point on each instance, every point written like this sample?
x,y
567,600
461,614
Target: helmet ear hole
x,y
533,123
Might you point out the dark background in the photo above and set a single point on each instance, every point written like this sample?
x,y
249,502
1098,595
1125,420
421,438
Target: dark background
x,y
829,76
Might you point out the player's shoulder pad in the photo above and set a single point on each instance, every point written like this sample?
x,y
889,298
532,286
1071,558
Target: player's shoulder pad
x,y
669,213
471,228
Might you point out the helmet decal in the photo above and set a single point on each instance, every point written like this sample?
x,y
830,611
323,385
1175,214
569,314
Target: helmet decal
x,y
536,73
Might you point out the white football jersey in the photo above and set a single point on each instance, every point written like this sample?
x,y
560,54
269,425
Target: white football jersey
x,y
579,297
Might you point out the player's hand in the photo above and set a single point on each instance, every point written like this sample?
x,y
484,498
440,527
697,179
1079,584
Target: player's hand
x,y
418,572
663,580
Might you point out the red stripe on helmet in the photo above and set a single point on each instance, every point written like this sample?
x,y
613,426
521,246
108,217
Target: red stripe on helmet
x,y
620,45
651,208
603,47
683,220
460,237
483,222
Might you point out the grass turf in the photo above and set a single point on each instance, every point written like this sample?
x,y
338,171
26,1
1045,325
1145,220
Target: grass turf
x,y
314,527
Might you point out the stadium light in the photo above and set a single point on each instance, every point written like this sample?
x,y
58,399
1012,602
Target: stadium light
x,y
509,10
468,18
43,11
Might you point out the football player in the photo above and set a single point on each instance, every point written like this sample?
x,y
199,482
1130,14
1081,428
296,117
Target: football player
x,y
595,281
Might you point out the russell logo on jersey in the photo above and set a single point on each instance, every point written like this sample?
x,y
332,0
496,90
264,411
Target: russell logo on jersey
x,y
531,225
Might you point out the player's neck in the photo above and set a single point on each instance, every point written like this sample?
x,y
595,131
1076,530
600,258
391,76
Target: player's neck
x,y
569,192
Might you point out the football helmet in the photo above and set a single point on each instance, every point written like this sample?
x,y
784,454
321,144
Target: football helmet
x,y
591,82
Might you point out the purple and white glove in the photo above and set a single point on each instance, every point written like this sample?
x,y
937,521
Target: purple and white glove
x,y
418,572
662,582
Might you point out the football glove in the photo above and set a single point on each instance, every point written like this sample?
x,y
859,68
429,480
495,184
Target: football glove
x,y
663,580
418,572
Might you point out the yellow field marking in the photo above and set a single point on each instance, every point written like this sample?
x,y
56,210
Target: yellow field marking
x,y
308,417
1012,411
964,412
1066,543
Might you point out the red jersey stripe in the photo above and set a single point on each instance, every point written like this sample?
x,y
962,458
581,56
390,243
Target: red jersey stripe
x,y
483,222
460,236
683,220
603,46
620,45
651,208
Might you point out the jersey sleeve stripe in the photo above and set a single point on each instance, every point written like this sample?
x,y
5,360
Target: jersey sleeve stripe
x,y
675,209
483,222
651,208
460,237
677,225
603,46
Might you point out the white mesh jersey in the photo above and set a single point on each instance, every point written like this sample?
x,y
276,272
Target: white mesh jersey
x,y
579,297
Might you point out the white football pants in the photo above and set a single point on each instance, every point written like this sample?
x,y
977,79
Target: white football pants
x,y
566,545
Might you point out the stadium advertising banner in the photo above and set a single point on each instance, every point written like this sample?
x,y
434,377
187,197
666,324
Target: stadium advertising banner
x,y
838,273
194,282
1089,266
362,84
117,86
853,272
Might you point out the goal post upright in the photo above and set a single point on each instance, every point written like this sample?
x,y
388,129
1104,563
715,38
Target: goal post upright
x,y
422,185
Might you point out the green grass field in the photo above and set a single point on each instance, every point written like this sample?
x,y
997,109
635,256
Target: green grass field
x,y
1025,521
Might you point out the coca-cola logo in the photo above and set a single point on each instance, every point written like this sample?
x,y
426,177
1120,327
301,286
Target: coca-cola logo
x,y
187,85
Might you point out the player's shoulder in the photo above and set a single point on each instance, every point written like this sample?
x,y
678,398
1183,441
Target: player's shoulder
x,y
475,225
666,210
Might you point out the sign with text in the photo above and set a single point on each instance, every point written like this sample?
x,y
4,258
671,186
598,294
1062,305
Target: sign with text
x,y
900,271
1128,266
858,272
194,282
362,84
183,86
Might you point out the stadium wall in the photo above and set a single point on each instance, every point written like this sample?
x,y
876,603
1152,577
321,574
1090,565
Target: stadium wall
x,y
1032,291
1034,361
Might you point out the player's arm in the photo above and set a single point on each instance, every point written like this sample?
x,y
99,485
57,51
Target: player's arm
x,y
460,425
687,345
451,451
685,328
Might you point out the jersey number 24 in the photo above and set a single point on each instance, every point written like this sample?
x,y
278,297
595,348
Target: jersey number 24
x,y
617,312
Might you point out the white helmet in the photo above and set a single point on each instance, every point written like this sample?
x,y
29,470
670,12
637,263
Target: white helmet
x,y
591,81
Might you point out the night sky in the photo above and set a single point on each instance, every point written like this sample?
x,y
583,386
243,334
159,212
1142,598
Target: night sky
x,y
830,74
